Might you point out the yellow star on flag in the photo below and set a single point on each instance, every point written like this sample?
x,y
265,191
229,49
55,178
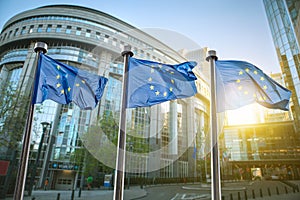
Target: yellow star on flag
x,y
247,70
151,87
58,76
150,79
58,67
238,81
62,91
165,94
265,87
58,85
157,93
241,73
77,84
69,89
262,78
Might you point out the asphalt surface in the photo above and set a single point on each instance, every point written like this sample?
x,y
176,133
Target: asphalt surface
x,y
259,190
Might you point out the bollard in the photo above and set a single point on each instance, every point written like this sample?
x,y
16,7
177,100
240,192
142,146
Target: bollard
x,y
253,194
239,196
231,197
277,190
269,191
79,192
260,191
245,194
286,190
72,195
58,196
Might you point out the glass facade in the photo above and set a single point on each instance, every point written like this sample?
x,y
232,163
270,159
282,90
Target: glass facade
x,y
261,145
284,17
163,128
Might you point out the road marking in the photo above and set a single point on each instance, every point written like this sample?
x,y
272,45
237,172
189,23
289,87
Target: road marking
x,y
189,196
175,196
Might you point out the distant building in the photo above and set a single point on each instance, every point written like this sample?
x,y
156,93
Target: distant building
x,y
273,148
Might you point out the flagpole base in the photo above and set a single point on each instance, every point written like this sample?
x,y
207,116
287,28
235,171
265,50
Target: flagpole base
x,y
40,47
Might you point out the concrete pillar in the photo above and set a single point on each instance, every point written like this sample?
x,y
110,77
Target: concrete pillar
x,y
173,134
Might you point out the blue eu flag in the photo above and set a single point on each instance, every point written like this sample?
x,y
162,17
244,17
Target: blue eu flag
x,y
240,83
64,84
151,83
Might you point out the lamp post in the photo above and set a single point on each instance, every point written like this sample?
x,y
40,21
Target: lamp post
x,y
129,165
45,126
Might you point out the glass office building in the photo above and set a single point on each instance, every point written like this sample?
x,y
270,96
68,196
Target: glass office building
x,y
284,22
92,40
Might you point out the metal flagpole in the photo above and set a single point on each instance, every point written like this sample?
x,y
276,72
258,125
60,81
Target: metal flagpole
x,y
215,165
120,161
21,178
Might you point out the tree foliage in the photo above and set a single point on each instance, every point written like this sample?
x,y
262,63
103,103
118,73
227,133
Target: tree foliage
x,y
13,112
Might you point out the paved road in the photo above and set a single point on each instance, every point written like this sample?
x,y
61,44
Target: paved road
x,y
183,192
237,190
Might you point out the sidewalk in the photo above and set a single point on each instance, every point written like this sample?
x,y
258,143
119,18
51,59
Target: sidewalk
x,y
291,196
133,193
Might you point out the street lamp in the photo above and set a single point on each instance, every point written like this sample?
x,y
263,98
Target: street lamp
x,y
129,165
45,126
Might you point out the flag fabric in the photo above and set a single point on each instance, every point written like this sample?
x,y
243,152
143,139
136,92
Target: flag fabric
x,y
240,83
64,84
151,83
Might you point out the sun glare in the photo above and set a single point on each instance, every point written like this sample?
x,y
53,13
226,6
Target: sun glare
x,y
249,114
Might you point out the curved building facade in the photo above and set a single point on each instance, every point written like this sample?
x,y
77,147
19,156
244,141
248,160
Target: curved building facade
x,y
93,41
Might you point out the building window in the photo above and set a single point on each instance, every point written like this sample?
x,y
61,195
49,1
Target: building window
x,y
68,30
23,30
4,36
88,33
39,29
16,32
98,35
31,29
78,31
49,27
106,38
58,28
9,34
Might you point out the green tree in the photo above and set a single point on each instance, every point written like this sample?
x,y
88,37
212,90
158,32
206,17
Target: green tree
x,y
109,127
13,112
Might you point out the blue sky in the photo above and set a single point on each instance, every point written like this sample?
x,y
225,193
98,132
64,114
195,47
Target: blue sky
x,y
236,29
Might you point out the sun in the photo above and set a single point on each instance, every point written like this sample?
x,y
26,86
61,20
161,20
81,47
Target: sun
x,y
249,114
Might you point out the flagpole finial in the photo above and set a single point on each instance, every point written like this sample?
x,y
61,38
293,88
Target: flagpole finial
x,y
40,46
127,50
211,54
